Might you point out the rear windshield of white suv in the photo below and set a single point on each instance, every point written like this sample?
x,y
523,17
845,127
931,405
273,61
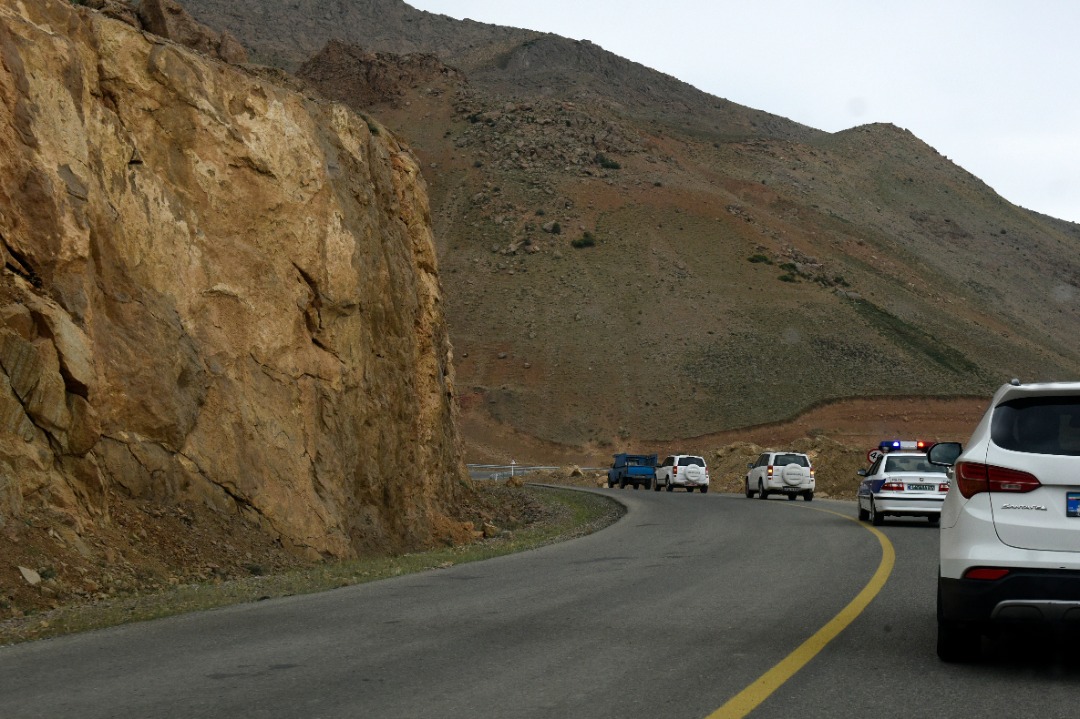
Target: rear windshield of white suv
x,y
1038,425
783,460
688,461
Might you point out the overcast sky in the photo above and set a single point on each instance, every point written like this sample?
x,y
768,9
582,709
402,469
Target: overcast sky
x,y
990,84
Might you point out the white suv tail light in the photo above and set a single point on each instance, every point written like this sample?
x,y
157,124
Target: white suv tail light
x,y
975,477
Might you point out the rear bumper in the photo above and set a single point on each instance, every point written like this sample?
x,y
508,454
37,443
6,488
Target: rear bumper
x,y
909,505
777,485
1024,596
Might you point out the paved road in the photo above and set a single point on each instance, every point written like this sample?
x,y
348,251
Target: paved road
x,y
669,613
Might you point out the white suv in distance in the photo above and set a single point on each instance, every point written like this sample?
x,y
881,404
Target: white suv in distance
x,y
788,473
682,470
1010,526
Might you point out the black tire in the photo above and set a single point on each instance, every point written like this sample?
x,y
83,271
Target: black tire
x,y
609,484
808,496
863,514
622,482
746,488
648,484
792,497
956,642
668,487
876,518
656,485
762,494
704,489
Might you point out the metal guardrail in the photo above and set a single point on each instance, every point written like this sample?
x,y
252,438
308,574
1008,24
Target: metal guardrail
x,y
505,471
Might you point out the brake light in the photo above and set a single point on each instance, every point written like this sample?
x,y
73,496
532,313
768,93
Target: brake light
x,y
943,488
975,477
988,574
769,470
675,470
893,486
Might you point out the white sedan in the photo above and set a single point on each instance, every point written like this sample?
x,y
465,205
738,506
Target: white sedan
x,y
902,484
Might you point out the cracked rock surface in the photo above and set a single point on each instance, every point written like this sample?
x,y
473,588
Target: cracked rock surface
x,y
219,299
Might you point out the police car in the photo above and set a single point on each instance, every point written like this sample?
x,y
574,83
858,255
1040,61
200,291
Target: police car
x,y
901,482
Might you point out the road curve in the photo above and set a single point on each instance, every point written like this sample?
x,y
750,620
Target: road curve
x,y
671,612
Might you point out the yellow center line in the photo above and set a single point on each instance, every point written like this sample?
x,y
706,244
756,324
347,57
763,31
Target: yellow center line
x,y
749,698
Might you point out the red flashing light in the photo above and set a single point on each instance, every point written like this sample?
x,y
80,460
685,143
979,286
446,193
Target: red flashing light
x,y
987,574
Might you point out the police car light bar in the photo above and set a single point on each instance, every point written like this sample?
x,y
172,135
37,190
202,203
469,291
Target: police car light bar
x,y
896,445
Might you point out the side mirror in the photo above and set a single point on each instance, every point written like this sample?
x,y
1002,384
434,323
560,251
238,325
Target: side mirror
x,y
861,473
944,454
749,465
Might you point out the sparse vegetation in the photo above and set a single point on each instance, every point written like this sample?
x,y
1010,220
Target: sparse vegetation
x,y
760,259
916,340
605,162
586,240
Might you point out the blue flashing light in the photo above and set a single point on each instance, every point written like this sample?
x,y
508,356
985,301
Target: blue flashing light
x,y
892,445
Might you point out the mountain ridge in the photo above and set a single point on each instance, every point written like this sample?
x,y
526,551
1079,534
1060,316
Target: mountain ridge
x,y
774,265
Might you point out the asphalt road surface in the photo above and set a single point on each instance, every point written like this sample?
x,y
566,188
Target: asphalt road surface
x,y
682,605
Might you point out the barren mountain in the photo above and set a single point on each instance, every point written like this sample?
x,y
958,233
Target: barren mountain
x,y
627,259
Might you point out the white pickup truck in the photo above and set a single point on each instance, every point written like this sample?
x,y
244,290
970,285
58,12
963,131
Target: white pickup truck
x,y
682,470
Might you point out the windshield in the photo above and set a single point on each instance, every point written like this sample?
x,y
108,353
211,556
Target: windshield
x,y
1039,425
911,464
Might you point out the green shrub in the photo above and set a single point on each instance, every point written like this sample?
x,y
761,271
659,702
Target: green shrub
x,y
760,259
586,240
605,162
789,278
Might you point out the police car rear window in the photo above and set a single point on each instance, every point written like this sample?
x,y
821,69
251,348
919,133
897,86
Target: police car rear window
x,y
1038,425
911,464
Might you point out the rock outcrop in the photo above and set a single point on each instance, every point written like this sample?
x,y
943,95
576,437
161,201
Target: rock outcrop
x,y
214,290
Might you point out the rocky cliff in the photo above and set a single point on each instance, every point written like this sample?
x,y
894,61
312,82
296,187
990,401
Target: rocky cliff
x,y
214,290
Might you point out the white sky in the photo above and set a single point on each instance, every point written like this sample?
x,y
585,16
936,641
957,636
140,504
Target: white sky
x,y
994,85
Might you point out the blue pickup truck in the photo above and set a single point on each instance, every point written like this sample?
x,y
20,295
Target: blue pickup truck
x,y
636,469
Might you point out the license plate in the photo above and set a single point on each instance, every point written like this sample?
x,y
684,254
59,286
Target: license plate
x,y
1072,504
932,487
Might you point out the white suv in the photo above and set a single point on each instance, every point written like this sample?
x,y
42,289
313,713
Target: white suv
x,y
788,473
1010,527
682,470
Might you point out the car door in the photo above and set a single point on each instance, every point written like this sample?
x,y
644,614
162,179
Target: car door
x,y
664,471
755,472
867,486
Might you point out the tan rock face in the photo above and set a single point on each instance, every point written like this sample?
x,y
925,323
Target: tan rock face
x,y
214,289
